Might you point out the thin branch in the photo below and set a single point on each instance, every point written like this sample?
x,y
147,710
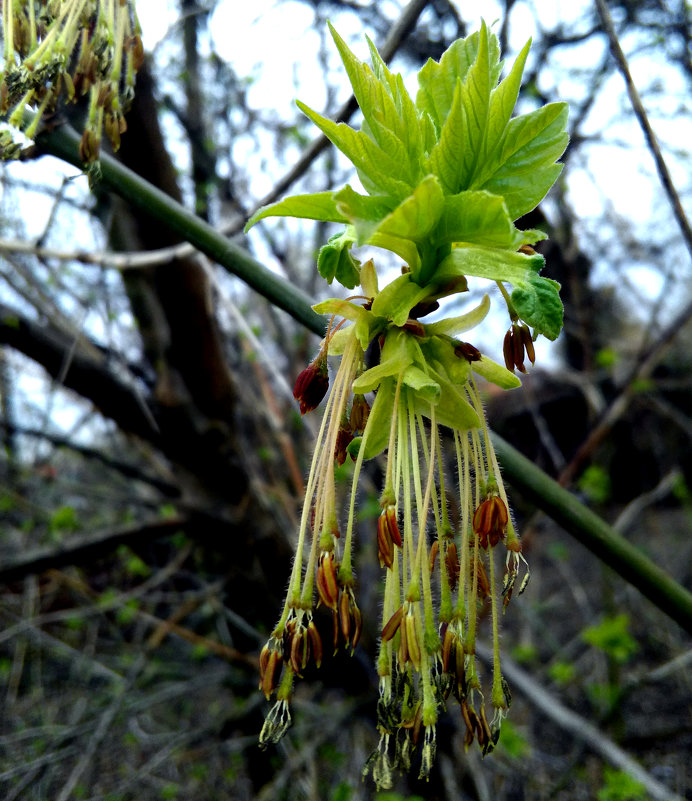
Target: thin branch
x,y
79,549
579,727
596,535
640,112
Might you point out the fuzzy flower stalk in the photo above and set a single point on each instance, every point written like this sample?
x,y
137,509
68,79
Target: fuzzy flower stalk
x,y
64,50
446,175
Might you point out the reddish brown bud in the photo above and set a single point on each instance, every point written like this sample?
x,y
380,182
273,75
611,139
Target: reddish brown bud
x,y
326,580
312,385
490,521
465,350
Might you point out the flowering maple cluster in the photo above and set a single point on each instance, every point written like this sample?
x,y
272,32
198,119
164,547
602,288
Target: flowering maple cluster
x,y
69,49
446,176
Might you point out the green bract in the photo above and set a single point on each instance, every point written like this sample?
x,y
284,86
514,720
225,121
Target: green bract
x,y
446,175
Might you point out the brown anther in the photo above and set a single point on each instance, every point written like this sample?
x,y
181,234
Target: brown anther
x,y
392,625
300,652
269,677
389,513
483,584
345,616
402,654
508,350
452,563
488,743
432,557
517,345
527,340
327,586
490,521
263,661
465,350
89,146
315,643
417,721
312,384
412,644
470,730
449,645
357,625
527,250
385,547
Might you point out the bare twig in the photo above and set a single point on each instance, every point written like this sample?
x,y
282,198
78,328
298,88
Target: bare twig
x,y
578,727
652,142
78,549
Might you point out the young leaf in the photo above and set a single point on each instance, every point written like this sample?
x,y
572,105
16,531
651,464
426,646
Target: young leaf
x,y
396,300
381,101
535,299
475,100
451,326
478,217
437,81
522,167
364,212
319,206
502,102
378,171
335,260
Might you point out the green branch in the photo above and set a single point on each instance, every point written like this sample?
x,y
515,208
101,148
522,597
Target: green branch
x,y
595,534
63,142
590,530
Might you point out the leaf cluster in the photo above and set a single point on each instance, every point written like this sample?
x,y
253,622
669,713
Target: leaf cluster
x,y
446,175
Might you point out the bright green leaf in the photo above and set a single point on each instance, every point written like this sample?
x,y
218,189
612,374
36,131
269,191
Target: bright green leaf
x,y
397,299
522,168
451,326
478,217
382,100
535,299
335,261
378,171
318,206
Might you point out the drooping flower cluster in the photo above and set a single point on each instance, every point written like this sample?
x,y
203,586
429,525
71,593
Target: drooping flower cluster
x,y
445,177
66,49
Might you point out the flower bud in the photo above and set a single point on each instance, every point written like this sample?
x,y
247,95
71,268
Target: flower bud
x,y
312,384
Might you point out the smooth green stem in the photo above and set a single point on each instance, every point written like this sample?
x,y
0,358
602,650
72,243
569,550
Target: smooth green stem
x,y
596,535
582,523
63,142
